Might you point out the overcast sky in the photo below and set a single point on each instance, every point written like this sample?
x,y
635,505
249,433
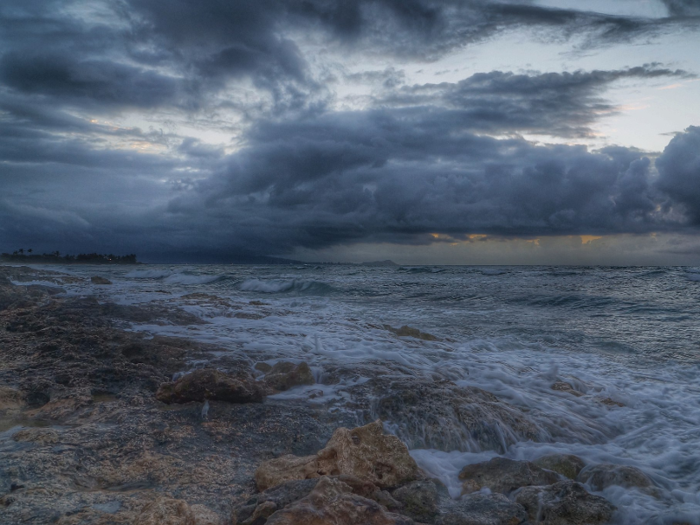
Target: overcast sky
x,y
425,131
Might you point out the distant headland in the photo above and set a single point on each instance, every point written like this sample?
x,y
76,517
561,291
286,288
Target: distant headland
x,y
27,257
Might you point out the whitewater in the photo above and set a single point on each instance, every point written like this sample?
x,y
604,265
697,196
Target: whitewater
x,y
626,339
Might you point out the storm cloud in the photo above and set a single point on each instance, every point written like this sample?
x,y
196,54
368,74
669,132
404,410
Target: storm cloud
x,y
106,111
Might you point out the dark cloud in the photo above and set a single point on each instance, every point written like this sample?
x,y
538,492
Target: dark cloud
x,y
679,174
563,104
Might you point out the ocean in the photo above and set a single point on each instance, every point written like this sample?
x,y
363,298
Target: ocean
x,y
627,340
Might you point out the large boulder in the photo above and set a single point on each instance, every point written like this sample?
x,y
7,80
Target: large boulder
x,y
285,375
603,476
364,452
332,502
210,384
504,475
567,465
564,503
483,509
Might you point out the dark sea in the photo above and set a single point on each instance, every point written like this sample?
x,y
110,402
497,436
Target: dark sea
x,y
627,335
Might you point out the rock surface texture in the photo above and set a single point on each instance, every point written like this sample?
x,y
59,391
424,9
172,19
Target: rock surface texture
x,y
564,503
285,375
567,465
211,384
504,475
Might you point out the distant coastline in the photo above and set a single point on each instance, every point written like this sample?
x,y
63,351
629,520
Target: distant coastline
x,y
56,258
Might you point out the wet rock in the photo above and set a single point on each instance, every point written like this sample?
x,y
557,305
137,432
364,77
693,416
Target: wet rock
x,y
420,500
285,375
96,279
210,384
567,465
603,476
611,402
10,398
364,452
263,367
504,475
42,436
441,415
564,503
483,509
169,511
332,502
407,331
563,386
261,506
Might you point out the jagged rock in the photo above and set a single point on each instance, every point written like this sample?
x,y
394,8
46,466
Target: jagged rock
x,y
285,375
42,436
420,500
504,475
332,502
364,452
169,511
563,386
564,503
210,384
408,331
10,398
567,465
267,502
483,509
602,476
444,416
96,279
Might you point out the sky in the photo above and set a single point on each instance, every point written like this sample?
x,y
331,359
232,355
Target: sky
x,y
422,131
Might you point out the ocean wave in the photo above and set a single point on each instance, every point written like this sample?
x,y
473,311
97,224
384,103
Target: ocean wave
x,y
421,269
149,274
185,278
284,286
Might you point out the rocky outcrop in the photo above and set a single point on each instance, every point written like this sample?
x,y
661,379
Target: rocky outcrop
x,y
96,279
420,500
444,416
332,502
603,476
210,384
563,386
567,465
564,503
504,475
483,509
364,452
285,375
408,331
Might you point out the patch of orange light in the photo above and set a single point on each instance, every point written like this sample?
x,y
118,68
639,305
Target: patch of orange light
x,y
587,239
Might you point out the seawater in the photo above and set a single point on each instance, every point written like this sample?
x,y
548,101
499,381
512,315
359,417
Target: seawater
x,y
629,334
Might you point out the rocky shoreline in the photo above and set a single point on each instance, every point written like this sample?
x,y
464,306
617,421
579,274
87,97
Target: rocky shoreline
x,y
98,424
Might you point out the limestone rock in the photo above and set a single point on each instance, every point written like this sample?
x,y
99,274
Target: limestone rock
x,y
285,375
419,500
364,452
602,476
567,465
332,502
505,475
483,509
10,399
262,505
285,468
563,386
408,331
96,279
42,436
564,503
444,416
169,511
210,384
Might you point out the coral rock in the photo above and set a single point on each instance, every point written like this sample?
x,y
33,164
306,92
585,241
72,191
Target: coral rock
x,y
210,384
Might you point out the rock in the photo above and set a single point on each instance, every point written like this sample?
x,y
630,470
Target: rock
x,y
563,386
210,384
42,436
419,500
276,498
483,509
10,398
169,511
504,475
365,453
564,503
602,476
96,279
285,375
263,367
332,502
407,331
444,416
611,402
567,465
